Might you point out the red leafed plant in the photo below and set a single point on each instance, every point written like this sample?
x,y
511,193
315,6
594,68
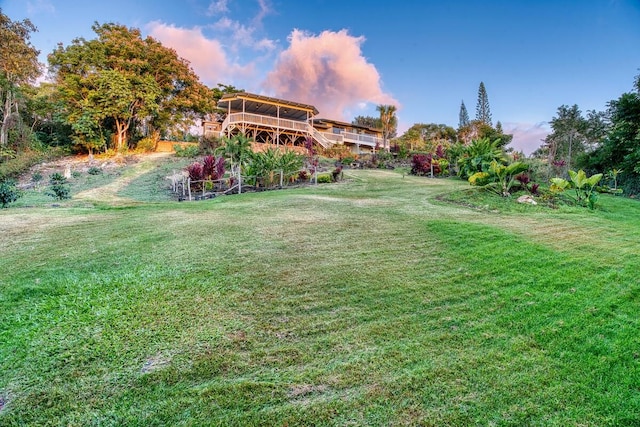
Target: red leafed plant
x,y
421,165
196,171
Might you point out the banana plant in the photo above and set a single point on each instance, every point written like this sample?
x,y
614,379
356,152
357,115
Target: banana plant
x,y
585,187
504,177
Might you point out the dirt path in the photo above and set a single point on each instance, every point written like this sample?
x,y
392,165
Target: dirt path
x,y
109,193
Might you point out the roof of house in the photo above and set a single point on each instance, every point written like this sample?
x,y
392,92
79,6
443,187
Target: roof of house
x,y
266,106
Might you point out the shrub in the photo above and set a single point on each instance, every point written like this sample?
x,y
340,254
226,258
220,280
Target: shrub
x,y
76,174
303,175
147,144
9,193
324,178
13,167
213,167
336,174
58,187
421,164
479,179
36,177
187,151
196,171
94,170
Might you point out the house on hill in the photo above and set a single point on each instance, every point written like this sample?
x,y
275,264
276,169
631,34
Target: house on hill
x,y
281,122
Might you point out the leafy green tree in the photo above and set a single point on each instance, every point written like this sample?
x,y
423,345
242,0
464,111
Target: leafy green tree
x,y
389,122
568,137
221,89
476,129
368,121
41,113
620,148
463,117
19,66
427,137
121,80
483,112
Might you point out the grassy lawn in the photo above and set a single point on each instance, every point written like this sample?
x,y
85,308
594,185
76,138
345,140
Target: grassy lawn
x,y
363,303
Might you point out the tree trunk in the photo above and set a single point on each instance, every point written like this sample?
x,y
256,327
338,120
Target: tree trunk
x,y
6,114
121,134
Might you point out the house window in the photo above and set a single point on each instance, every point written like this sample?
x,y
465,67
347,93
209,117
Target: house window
x,y
338,130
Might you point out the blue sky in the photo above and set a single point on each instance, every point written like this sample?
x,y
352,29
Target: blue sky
x,y
346,57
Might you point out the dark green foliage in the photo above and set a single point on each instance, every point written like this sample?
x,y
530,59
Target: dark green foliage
x,y
186,151
477,157
368,121
483,112
9,192
94,170
463,119
620,149
21,163
58,187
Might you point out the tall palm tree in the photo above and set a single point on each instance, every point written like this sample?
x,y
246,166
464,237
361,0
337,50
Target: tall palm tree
x,y
388,120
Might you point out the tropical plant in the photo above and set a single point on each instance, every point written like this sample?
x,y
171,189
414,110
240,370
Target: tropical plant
x,y
477,157
389,122
236,149
585,187
613,174
290,163
503,177
499,178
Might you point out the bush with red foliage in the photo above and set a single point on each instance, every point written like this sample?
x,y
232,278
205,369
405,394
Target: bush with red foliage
x,y
421,165
196,171
213,168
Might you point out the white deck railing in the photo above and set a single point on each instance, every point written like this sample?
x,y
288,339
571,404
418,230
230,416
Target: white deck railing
x,y
326,139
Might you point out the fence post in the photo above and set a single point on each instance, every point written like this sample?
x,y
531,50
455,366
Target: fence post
x,y
239,181
281,178
189,187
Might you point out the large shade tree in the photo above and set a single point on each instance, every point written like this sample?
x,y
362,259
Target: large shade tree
x,y
18,67
121,80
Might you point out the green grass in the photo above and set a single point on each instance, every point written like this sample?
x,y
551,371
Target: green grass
x,y
366,302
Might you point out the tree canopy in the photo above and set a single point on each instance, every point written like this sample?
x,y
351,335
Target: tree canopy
x,y
119,80
619,144
368,121
18,66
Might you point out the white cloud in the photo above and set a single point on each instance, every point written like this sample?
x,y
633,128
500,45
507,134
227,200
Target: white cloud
x,y
217,7
207,56
527,137
40,6
328,71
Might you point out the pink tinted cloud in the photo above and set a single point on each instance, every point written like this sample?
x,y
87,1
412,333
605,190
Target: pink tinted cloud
x,y
206,56
527,137
329,72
